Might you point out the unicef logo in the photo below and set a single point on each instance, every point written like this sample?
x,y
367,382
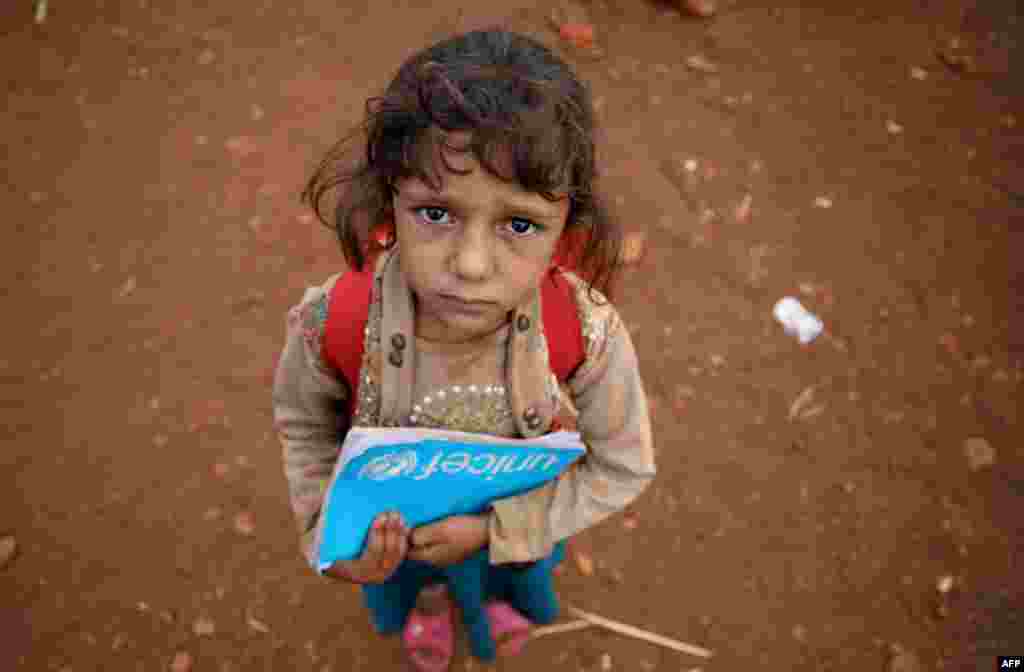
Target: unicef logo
x,y
389,466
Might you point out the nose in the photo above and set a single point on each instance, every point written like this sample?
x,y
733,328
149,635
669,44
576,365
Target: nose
x,y
473,257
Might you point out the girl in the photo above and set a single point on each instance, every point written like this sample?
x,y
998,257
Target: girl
x,y
477,177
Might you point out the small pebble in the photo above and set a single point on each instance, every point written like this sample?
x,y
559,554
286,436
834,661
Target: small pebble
x,y
206,57
919,74
901,660
702,8
182,662
823,202
257,625
127,288
945,584
584,563
742,212
8,549
701,64
951,343
580,35
245,524
893,127
203,627
980,453
606,662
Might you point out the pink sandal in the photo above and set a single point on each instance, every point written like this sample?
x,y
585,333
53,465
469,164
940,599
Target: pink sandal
x,y
509,628
429,636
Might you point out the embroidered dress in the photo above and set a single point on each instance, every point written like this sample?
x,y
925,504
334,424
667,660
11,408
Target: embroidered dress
x,y
487,386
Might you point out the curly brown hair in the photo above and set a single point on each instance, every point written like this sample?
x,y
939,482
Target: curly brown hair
x,y
528,118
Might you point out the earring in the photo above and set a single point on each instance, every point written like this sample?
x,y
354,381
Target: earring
x,y
383,235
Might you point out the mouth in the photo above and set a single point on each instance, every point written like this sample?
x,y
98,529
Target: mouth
x,y
463,305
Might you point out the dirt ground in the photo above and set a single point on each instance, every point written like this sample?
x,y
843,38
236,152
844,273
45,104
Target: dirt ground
x,y
154,240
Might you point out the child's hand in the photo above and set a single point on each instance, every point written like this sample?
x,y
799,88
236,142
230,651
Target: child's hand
x,y
386,547
449,541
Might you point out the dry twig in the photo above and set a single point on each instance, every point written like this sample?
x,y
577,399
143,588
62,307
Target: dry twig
x,y
559,628
638,633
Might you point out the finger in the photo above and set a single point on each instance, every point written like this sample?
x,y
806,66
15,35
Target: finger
x,y
399,542
424,536
375,545
391,538
421,553
382,541
433,554
401,537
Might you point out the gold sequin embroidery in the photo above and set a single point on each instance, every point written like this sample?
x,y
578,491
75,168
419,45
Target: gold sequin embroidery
x,y
482,409
368,399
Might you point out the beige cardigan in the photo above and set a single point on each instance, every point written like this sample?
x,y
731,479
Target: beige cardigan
x,y
605,394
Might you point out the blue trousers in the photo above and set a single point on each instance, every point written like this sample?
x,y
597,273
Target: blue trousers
x,y
526,586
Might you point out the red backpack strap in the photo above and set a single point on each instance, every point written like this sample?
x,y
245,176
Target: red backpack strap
x,y
561,325
343,340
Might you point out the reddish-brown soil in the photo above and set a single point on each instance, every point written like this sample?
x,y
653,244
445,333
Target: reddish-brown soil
x,y
154,240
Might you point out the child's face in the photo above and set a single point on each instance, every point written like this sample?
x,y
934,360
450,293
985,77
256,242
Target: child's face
x,y
475,250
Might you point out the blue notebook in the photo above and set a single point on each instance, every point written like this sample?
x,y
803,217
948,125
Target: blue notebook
x,y
428,475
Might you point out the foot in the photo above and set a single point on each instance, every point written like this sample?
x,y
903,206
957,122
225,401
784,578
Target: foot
x,y
429,636
509,628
